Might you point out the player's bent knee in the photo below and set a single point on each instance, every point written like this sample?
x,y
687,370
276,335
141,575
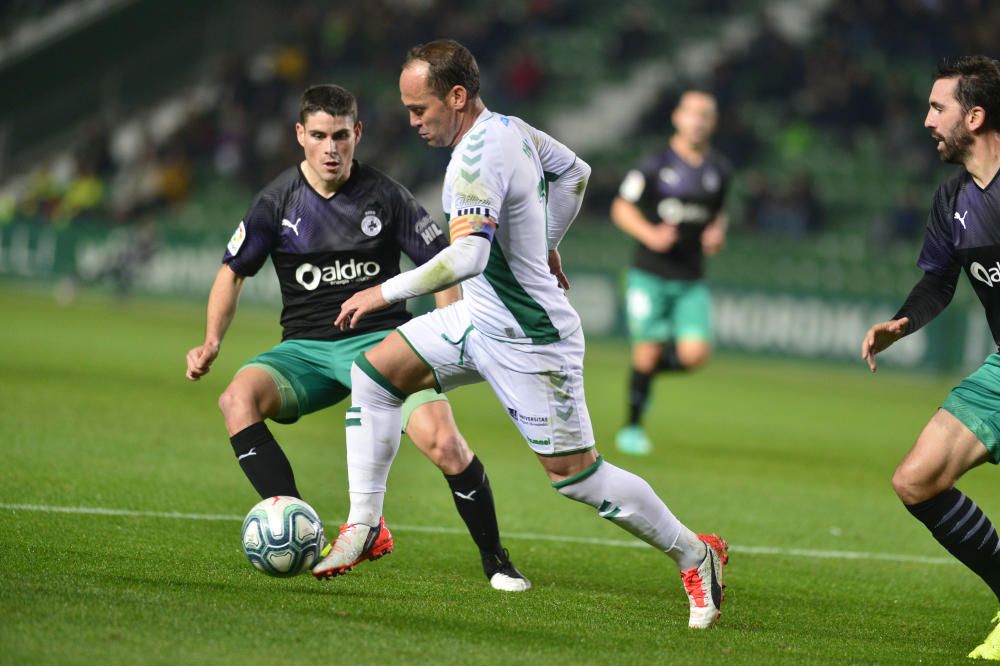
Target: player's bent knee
x,y
440,442
561,468
694,355
237,405
646,357
229,401
588,486
901,486
912,487
450,452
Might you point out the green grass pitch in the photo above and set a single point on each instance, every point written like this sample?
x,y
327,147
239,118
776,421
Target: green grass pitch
x,y
789,461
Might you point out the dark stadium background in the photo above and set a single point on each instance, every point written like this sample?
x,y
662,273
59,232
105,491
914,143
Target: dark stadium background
x,y
133,133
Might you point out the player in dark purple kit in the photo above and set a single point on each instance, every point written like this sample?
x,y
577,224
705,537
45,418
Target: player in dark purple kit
x,y
963,232
672,206
333,226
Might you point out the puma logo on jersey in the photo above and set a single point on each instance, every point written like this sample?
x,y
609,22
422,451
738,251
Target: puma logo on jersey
x,y
293,227
961,218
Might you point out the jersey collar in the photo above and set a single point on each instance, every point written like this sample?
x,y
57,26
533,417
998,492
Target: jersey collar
x,y
355,166
996,176
483,116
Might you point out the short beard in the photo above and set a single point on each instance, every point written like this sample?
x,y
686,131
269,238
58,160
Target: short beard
x,y
956,146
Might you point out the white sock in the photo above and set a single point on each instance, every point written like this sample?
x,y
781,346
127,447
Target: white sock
x,y
374,423
628,501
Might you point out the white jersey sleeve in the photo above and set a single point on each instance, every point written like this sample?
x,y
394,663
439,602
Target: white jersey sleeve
x,y
495,187
566,179
555,157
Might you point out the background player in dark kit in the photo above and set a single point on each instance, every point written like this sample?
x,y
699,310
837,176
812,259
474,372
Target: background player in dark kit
x,y
671,204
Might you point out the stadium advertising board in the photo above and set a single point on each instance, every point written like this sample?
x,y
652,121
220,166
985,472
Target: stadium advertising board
x,y
768,321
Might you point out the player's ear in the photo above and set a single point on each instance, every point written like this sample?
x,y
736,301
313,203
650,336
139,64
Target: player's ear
x,y
300,134
357,132
975,118
458,96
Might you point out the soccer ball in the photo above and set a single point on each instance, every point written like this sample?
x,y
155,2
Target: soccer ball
x,y
282,536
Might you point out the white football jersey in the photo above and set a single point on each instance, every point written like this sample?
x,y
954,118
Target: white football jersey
x,y
500,170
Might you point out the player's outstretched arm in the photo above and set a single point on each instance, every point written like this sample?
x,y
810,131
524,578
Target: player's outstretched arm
x,y
464,258
928,298
880,337
222,300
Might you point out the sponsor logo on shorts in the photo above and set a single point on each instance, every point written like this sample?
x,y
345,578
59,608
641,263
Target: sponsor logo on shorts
x,y
310,276
539,442
525,419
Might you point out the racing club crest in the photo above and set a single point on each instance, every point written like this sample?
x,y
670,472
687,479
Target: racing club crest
x,y
371,225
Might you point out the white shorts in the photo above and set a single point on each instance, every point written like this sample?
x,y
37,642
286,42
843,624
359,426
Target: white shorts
x,y
540,386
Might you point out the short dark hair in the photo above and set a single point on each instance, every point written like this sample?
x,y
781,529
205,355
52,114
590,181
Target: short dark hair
x,y
332,99
978,84
696,90
450,64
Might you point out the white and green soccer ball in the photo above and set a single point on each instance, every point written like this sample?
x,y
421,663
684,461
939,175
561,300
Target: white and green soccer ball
x,y
282,536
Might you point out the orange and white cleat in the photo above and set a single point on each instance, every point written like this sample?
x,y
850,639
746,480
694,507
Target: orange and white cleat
x,y
356,543
703,583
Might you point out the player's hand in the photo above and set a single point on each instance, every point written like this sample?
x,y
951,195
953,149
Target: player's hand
x,y
712,239
555,267
880,337
199,360
358,305
661,237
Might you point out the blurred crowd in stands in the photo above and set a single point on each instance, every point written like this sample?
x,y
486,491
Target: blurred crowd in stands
x,y
16,12
839,86
240,124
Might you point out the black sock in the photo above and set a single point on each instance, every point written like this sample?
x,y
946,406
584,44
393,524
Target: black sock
x,y
964,530
263,461
638,395
670,361
474,500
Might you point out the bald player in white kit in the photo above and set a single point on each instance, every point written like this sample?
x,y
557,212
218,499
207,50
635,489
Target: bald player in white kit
x,y
510,194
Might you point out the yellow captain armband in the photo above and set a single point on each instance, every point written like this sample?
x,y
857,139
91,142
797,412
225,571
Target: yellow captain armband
x,y
472,223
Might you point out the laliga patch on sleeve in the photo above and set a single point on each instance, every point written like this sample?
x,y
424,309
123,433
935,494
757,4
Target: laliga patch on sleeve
x,y
633,186
236,242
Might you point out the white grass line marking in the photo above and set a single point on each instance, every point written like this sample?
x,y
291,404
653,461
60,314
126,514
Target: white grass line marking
x,y
592,541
